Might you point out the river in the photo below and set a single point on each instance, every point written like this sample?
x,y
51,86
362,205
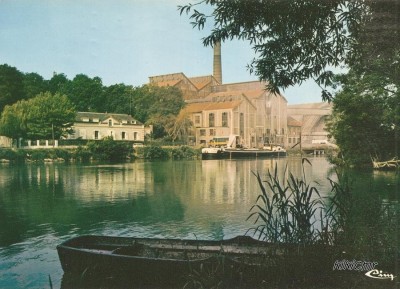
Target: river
x,y
43,205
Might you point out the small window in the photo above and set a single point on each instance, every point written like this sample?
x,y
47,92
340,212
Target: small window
x,y
123,135
212,132
110,122
135,135
202,132
211,120
96,134
225,119
197,119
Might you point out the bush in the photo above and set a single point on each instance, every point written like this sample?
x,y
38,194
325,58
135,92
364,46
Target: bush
x,y
155,152
82,154
184,152
8,154
108,149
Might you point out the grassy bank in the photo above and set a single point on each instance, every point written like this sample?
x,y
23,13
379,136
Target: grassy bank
x,y
104,151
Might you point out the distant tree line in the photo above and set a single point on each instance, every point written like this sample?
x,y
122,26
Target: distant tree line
x,y
23,115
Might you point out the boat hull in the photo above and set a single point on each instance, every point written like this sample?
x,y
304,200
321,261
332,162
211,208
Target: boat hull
x,y
117,257
238,153
173,263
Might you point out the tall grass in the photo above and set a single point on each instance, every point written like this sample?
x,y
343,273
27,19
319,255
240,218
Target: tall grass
x,y
286,211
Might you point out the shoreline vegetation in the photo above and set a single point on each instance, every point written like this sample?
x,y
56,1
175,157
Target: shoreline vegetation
x,y
105,150
98,152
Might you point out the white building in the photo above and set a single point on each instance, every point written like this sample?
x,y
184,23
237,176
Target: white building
x,y
93,125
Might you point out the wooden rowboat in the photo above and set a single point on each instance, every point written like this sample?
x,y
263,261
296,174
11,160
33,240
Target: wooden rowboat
x,y
166,261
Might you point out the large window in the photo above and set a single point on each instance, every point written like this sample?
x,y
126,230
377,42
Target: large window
x,y
225,119
211,120
123,135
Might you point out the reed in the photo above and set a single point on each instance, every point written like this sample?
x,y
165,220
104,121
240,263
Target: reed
x,y
286,211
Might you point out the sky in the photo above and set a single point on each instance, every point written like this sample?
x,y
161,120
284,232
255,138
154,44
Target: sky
x,y
120,41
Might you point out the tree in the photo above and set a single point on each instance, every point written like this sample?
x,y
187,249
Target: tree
x,y
13,121
11,85
42,117
301,39
49,116
34,84
180,127
118,98
157,106
365,120
58,83
85,92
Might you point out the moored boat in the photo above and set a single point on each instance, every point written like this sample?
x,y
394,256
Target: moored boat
x,y
234,149
213,153
276,151
160,260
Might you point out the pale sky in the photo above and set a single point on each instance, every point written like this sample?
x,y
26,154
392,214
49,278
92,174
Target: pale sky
x,y
120,41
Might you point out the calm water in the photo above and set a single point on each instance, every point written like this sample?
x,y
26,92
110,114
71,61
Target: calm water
x,y
43,205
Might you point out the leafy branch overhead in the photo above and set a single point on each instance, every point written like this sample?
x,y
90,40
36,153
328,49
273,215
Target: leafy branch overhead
x,y
299,39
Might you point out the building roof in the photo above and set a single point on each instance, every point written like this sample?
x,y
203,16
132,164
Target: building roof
x,y
313,105
201,81
168,83
202,106
292,122
251,94
103,116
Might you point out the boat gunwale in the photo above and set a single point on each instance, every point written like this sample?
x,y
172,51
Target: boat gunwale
x,y
246,240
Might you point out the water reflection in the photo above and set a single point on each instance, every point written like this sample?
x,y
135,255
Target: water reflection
x,y
42,205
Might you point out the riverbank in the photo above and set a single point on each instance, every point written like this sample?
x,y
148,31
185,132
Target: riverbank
x,y
88,154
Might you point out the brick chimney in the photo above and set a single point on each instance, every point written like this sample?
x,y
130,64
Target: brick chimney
x,y
217,72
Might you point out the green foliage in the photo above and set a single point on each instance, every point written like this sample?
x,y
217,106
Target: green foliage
x,y
157,106
13,121
155,152
58,83
119,98
34,84
108,149
11,85
82,153
184,152
12,155
42,117
85,92
49,116
153,105
366,120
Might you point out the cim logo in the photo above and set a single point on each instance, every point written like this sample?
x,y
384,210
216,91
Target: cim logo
x,y
379,274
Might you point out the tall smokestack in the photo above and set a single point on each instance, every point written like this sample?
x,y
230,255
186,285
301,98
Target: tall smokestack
x,y
217,62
